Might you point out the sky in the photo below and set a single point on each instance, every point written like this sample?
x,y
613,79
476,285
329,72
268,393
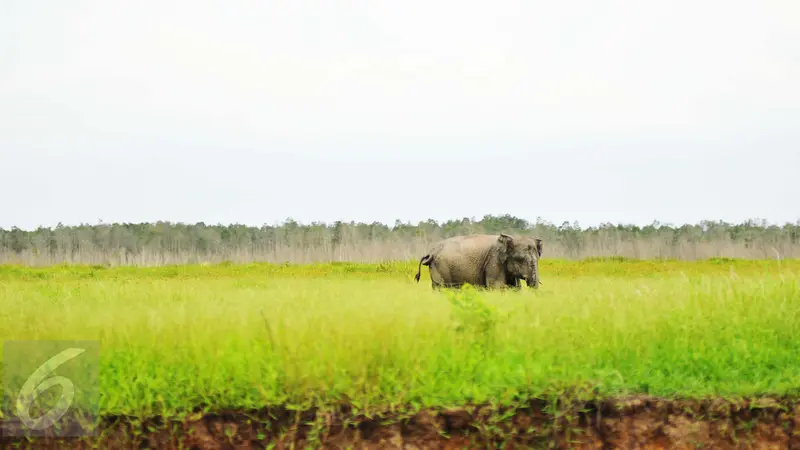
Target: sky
x,y
256,111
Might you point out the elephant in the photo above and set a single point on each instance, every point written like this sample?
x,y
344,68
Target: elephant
x,y
491,261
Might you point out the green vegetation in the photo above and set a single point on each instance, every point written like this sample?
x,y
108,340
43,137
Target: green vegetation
x,y
245,336
177,243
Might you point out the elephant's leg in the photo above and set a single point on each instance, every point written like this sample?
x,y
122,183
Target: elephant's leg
x,y
497,277
512,281
437,281
496,283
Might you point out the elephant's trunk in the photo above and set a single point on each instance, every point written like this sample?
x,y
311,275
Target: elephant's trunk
x,y
533,278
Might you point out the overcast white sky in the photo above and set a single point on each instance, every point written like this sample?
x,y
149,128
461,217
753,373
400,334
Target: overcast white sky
x,y
255,111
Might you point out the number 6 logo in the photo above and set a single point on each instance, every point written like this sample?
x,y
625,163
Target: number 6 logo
x,y
36,384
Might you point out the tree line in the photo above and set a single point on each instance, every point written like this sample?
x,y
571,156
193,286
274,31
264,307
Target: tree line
x,y
179,243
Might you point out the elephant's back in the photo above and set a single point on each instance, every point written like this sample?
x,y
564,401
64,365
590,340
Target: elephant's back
x,y
472,241
462,257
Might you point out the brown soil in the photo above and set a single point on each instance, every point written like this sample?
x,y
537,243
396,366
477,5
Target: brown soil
x,y
631,423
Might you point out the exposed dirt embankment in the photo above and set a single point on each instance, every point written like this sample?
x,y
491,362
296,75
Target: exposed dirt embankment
x,y
629,423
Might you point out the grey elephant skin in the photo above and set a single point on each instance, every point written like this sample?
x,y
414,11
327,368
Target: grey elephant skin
x,y
490,261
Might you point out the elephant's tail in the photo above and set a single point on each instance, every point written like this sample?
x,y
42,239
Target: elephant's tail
x,y
426,261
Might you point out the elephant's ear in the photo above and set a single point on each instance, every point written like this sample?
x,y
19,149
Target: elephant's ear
x,y
505,243
539,247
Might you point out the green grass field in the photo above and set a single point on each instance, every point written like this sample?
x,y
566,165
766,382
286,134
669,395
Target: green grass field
x,y
228,336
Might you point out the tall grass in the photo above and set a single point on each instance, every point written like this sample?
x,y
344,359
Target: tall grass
x,y
230,336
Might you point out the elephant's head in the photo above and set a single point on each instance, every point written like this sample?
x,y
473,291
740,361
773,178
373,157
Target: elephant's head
x,y
520,257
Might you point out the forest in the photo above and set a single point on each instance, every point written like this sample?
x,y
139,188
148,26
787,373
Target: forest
x,y
164,242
